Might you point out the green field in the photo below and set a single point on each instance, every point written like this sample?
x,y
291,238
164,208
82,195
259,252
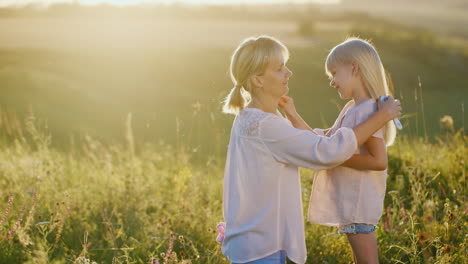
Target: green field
x,y
113,204
112,136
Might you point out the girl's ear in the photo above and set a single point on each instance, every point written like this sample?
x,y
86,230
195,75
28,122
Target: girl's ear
x,y
355,68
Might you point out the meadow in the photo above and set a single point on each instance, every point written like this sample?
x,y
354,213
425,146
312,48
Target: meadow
x,y
152,203
113,144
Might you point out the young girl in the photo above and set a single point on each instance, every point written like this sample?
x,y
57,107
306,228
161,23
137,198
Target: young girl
x,y
351,195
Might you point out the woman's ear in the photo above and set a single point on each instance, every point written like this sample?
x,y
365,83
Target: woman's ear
x,y
256,81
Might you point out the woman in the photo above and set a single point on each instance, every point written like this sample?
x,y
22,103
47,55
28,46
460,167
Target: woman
x,y
262,193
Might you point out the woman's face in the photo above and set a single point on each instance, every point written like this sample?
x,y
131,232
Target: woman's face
x,y
343,80
275,79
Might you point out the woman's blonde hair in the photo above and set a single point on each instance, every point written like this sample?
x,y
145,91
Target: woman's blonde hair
x,y
250,58
371,70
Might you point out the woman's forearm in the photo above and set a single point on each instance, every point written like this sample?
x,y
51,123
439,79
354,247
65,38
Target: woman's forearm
x,y
297,121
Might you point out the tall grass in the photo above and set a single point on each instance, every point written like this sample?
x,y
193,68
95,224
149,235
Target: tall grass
x,y
151,203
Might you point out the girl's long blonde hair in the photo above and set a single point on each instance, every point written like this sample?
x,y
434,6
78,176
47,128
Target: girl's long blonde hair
x,y
371,70
250,58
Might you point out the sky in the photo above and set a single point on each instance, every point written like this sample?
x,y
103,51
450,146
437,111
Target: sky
x,y
134,2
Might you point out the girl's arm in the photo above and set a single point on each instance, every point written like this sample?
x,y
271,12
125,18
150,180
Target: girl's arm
x,y
286,103
375,159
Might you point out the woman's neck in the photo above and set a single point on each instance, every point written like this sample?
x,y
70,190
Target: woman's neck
x,y
268,105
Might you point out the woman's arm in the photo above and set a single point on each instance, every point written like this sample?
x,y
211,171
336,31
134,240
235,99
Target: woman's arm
x,y
375,159
302,148
387,111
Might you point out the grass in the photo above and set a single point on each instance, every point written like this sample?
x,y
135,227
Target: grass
x,y
121,203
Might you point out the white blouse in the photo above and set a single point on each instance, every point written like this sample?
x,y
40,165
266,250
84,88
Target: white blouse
x,y
262,192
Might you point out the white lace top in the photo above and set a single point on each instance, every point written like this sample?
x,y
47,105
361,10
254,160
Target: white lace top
x,y
262,193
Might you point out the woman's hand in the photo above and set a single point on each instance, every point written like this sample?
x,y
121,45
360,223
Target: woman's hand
x,y
286,104
392,107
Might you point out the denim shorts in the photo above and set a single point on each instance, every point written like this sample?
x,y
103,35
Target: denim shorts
x,y
357,229
276,258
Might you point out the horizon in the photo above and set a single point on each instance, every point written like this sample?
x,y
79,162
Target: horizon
x,y
124,3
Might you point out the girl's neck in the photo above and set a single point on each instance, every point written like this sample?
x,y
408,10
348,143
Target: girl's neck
x,y
360,95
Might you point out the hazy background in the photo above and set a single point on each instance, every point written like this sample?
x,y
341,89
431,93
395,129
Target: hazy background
x,y
80,67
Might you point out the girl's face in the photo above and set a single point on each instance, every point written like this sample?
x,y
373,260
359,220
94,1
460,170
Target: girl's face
x,y
275,79
344,79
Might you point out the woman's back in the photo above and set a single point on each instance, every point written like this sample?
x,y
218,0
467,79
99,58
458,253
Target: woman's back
x,y
262,201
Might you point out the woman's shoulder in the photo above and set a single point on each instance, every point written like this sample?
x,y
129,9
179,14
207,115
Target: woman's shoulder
x,y
249,120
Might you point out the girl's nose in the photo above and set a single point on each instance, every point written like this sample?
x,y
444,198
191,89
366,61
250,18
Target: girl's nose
x,y
289,72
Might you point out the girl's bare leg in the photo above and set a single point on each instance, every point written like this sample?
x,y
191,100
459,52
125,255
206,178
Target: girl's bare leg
x,y
364,248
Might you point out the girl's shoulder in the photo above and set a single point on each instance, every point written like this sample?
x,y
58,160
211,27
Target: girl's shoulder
x,y
366,106
363,110
350,104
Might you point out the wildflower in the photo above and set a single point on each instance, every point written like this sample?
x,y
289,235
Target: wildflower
x,y
446,249
196,107
30,217
153,261
428,218
388,210
423,237
429,204
168,254
385,225
449,215
61,223
221,227
181,239
17,224
6,212
447,122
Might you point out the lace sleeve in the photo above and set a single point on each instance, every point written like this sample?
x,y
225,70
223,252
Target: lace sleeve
x,y
303,148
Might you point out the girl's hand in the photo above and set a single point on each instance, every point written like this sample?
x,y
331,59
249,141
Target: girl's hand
x,y
392,107
286,104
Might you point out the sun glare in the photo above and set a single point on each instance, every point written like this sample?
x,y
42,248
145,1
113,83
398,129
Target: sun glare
x,y
168,2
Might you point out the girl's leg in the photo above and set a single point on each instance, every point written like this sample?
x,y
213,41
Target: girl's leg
x,y
364,247
276,258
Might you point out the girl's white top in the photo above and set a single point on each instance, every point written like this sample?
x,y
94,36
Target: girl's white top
x,y
343,195
262,193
